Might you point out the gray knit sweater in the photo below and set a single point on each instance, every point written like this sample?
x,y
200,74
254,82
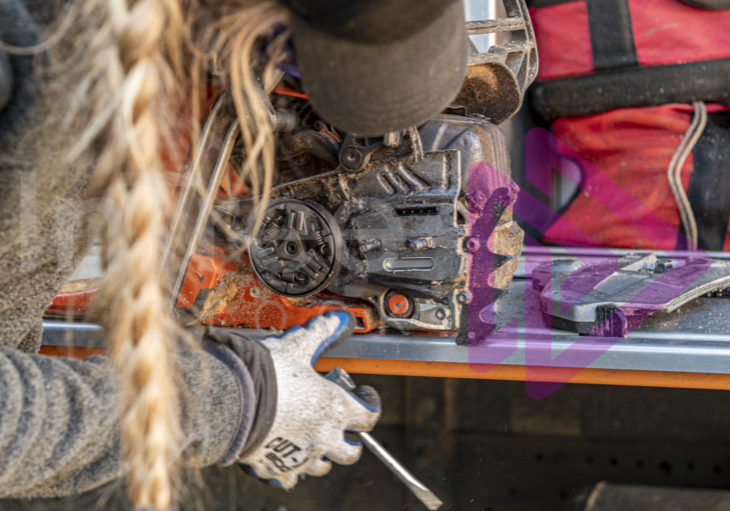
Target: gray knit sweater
x,y
59,418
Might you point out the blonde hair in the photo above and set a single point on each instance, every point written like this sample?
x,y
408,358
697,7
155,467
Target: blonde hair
x,y
232,39
130,69
140,48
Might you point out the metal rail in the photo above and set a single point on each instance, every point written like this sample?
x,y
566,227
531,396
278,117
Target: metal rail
x,y
694,340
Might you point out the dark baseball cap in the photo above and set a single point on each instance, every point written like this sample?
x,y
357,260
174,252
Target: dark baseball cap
x,y
376,66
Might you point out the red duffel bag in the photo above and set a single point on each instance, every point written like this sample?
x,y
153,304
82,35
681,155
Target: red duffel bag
x,y
634,87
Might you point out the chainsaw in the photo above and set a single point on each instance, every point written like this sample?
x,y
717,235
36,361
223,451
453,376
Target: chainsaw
x,y
376,225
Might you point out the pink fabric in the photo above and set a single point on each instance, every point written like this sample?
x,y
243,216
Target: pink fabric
x,y
563,40
671,32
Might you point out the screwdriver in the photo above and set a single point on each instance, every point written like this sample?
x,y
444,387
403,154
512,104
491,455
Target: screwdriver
x,y
431,501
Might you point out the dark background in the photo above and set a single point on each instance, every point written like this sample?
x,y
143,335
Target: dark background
x,y
485,445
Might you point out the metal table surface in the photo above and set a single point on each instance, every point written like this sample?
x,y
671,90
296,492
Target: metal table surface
x,y
686,348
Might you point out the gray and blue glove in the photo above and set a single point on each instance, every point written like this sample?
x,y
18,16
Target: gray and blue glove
x,y
301,418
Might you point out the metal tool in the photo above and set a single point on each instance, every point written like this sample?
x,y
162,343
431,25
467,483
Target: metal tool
x,y
607,296
431,501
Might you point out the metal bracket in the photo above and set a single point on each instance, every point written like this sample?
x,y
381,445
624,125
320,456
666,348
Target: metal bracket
x,y
356,151
608,295
496,81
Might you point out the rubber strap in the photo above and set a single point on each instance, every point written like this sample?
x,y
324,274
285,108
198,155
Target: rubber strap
x,y
612,36
630,86
712,5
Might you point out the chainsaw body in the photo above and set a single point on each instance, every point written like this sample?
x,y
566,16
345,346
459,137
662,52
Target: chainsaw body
x,y
392,233
377,225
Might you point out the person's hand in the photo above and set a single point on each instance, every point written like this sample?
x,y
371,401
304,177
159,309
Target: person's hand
x,y
312,414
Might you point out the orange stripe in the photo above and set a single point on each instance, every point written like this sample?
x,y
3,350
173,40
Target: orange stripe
x,y
517,373
70,351
287,91
499,372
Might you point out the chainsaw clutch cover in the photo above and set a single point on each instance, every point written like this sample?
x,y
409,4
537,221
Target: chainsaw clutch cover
x,y
298,252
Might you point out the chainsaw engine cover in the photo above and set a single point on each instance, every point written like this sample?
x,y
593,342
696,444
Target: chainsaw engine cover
x,y
393,232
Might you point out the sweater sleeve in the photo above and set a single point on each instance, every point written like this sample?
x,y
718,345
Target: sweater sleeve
x,y
59,419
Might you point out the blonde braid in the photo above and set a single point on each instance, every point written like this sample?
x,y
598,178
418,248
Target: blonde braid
x,y
137,67
129,63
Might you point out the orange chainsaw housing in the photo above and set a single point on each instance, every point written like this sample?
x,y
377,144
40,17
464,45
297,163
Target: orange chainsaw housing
x,y
248,303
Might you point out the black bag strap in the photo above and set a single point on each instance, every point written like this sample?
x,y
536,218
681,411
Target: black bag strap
x,y
612,37
713,5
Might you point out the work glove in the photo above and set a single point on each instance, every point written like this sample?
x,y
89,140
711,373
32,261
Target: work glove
x,y
305,432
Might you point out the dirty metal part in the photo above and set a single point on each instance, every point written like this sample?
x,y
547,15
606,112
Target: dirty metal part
x,y
271,230
370,246
495,25
285,120
222,294
394,199
611,294
281,120
356,151
384,202
496,81
429,499
392,139
320,144
495,240
398,305
416,143
441,313
304,254
448,313
416,245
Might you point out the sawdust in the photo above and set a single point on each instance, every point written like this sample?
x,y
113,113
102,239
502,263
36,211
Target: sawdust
x,y
74,286
224,293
